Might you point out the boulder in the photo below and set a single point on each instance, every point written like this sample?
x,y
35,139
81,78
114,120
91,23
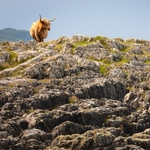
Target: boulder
x,y
89,140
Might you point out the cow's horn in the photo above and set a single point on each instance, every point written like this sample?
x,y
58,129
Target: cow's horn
x,y
40,17
53,19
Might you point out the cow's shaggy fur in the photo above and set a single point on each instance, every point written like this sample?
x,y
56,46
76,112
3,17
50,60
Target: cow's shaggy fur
x,y
39,30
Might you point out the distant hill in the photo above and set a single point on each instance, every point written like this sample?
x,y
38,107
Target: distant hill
x,y
9,34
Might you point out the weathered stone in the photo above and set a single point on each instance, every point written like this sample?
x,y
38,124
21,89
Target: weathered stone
x,y
75,93
115,44
89,140
68,128
4,56
94,51
34,134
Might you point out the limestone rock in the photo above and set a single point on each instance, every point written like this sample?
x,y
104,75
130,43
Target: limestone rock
x,y
89,140
86,93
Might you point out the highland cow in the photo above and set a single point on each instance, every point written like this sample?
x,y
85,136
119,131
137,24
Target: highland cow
x,y
39,30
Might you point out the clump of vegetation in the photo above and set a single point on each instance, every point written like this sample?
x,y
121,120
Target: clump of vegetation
x,y
58,47
35,90
24,60
87,41
18,71
72,99
45,44
46,80
121,61
102,39
12,60
103,69
147,59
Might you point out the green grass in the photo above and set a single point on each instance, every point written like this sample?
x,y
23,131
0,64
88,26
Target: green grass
x,y
58,47
102,39
87,42
12,62
148,59
106,64
122,61
46,80
24,60
72,99
95,39
103,69
77,44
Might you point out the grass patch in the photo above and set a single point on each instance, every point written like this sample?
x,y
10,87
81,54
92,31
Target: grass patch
x,y
107,118
148,60
30,111
104,69
103,41
13,55
17,72
4,66
79,43
106,64
45,44
72,99
87,42
122,61
100,38
35,90
12,60
126,49
58,47
123,49
24,60
73,49
46,80
82,43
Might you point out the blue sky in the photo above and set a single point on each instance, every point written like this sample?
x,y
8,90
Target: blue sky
x,y
110,18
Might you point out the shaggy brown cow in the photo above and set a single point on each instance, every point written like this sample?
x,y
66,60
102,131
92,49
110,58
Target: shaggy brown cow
x,y
39,30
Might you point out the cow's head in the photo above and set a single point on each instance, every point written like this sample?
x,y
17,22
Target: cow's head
x,y
46,23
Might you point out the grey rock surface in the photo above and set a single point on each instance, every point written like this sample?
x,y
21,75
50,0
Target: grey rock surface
x,y
85,93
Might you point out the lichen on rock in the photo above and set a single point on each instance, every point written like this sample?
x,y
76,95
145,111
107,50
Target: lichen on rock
x,y
75,93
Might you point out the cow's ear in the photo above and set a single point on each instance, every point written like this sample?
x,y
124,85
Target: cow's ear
x,y
42,21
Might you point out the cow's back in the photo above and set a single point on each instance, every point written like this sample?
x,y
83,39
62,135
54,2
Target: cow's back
x,y
32,30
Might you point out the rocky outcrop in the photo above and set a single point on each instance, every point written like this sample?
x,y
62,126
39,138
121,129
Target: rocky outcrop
x,y
85,93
